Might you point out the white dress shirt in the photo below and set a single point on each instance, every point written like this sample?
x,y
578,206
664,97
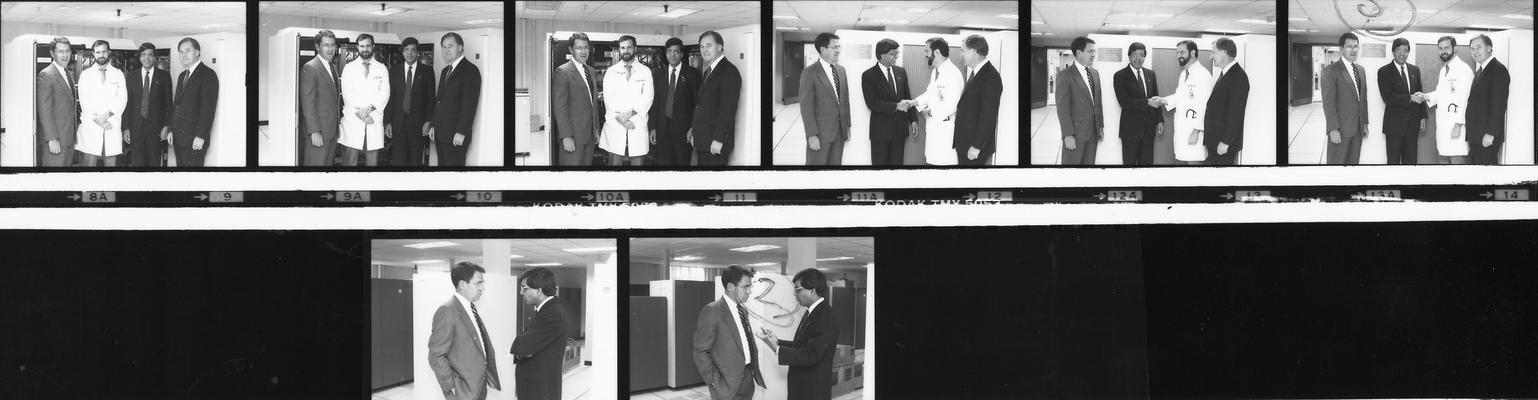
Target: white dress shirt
x,y
359,91
737,318
827,69
625,91
102,90
470,314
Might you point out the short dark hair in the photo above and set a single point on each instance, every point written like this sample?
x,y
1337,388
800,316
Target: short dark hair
x,y
733,274
1137,46
824,40
1348,35
578,36
100,42
813,279
1190,45
364,37
674,41
713,35
146,46
464,271
935,43
885,46
57,40
976,43
1227,46
195,45
1483,38
1449,39
540,278
1080,43
623,38
1399,42
457,40
409,41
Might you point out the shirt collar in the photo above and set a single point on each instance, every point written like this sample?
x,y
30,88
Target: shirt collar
x,y
463,301
814,305
541,305
980,65
1487,62
713,64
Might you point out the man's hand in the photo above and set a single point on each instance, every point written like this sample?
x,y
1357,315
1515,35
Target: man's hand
x,y
568,145
1423,129
1196,137
1418,97
715,147
197,144
107,126
459,139
1457,131
432,133
1335,136
53,146
100,119
361,114
653,137
913,130
903,105
368,120
389,132
126,138
316,140
689,136
973,153
628,124
1159,129
1222,148
1155,102
165,133
1489,140
814,143
1069,143
426,126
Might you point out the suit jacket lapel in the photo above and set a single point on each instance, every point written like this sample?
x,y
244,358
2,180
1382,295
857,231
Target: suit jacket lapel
x,y
464,315
726,315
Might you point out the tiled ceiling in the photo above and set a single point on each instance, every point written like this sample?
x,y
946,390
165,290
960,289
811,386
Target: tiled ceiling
x,y
453,15
1319,16
1070,19
829,16
708,14
716,252
531,251
181,18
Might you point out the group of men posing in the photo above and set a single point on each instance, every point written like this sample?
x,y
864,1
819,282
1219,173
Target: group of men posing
x,y
97,110
364,104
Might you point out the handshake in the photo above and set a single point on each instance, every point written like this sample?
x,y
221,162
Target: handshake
x,y
904,105
1156,102
1418,97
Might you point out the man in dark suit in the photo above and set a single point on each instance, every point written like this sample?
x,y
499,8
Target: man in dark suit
x,y
197,97
724,350
893,121
410,109
810,355
672,110
576,105
1404,114
1343,85
320,101
459,94
1486,117
1142,119
1224,120
715,107
825,103
1079,112
58,110
538,349
149,107
977,115
459,350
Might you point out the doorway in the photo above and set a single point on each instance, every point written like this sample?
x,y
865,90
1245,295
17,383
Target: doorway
x,y
1300,74
791,81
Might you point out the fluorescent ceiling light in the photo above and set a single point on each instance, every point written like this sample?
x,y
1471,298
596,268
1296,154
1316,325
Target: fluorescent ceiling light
x,y
756,247
764,264
978,26
784,17
543,264
514,256
426,261
1483,26
1128,26
1426,11
1143,15
836,258
484,21
391,11
1043,34
885,21
678,13
1035,22
790,28
1297,19
688,258
589,249
1254,21
430,245
1010,16
1518,16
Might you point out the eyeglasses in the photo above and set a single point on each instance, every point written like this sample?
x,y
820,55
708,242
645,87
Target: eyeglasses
x,y
523,288
799,289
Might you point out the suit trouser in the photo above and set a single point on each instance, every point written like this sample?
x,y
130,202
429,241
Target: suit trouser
x,y
1083,152
1137,150
539,390
745,388
1347,152
616,160
582,157
92,160
888,152
712,160
1481,155
318,156
65,158
672,149
830,153
147,149
450,155
406,144
187,157
350,156
1402,148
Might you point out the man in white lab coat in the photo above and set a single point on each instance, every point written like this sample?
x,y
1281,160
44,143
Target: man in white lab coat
x,y
1454,82
1190,104
627,100
938,103
103,95
365,93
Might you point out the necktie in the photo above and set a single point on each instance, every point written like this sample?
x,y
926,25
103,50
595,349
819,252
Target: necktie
x,y
103,74
592,98
1361,90
1186,73
1141,85
443,80
74,91
707,73
409,76
181,83
1094,85
970,73
335,76
748,341
365,70
1404,75
891,79
838,82
491,357
672,89
1479,72
1220,77
143,105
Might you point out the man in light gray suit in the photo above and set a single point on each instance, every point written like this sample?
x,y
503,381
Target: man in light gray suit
x,y
459,350
1343,84
825,104
320,101
1080,113
576,105
724,350
57,110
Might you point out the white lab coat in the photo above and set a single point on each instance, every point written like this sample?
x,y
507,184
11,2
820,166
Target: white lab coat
x,y
1451,98
100,94
360,91
621,93
1190,104
940,98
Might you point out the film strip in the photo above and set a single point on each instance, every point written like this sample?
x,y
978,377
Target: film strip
x,y
1519,192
